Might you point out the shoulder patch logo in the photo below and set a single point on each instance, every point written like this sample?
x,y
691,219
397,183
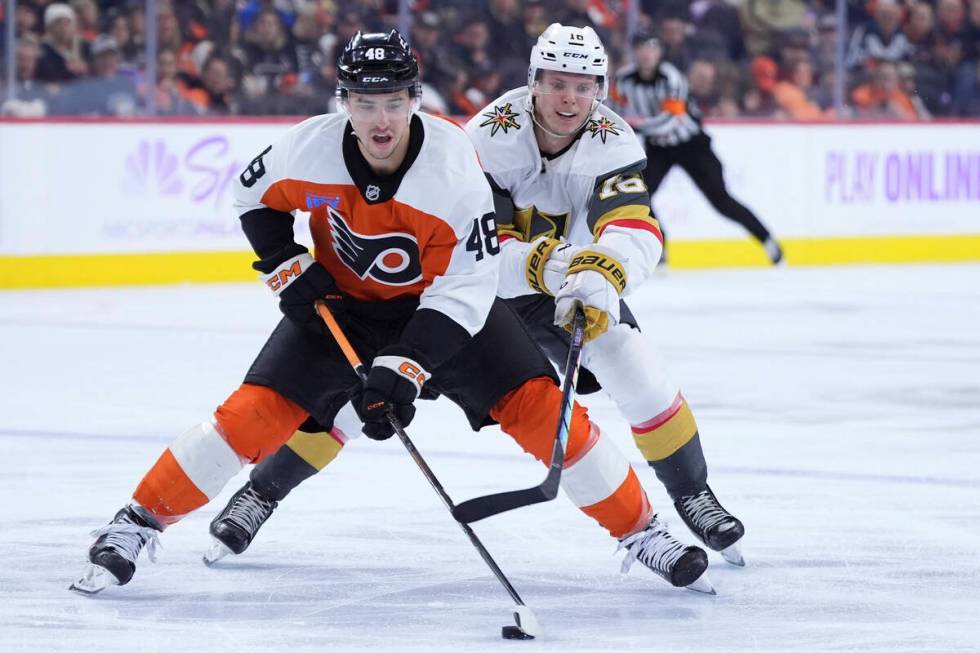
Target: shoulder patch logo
x,y
392,259
602,128
501,118
313,200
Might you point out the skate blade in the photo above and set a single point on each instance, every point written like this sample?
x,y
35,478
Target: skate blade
x,y
94,580
702,585
733,555
215,552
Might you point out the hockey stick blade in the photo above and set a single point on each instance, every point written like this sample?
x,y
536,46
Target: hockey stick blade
x,y
494,504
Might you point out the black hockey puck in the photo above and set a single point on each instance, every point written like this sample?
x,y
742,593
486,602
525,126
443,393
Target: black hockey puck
x,y
513,632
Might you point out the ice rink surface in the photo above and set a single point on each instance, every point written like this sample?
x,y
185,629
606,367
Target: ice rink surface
x,y
839,411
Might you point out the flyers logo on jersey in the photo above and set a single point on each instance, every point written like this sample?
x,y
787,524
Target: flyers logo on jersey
x,y
392,259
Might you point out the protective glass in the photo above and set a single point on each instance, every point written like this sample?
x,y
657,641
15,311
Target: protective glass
x,y
586,87
365,108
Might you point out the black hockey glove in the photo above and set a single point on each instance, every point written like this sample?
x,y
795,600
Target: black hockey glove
x,y
299,282
394,382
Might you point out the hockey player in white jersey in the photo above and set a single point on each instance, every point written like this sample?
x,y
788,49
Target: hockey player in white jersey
x,y
573,214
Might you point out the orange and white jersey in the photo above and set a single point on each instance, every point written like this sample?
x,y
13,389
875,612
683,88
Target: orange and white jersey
x,y
426,231
592,191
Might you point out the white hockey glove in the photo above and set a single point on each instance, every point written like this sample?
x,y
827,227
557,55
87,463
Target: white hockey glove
x,y
594,281
547,263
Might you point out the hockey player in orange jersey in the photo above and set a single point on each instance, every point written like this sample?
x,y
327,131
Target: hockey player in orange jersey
x,y
411,274
575,226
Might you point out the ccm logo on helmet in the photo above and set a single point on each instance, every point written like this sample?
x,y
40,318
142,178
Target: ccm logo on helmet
x,y
374,80
391,259
575,55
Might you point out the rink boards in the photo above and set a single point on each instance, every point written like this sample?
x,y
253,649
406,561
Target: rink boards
x,y
86,203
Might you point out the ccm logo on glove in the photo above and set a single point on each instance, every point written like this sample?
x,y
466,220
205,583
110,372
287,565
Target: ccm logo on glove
x,y
287,272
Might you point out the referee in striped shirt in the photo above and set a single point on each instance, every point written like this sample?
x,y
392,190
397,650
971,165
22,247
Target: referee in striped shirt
x,y
653,97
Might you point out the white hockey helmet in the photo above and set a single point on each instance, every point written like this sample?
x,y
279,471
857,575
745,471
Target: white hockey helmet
x,y
569,49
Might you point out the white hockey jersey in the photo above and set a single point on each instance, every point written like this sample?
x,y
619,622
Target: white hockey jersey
x,y
426,231
592,191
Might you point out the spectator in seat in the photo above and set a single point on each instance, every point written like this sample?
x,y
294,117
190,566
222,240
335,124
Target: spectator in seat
x,y
172,93
764,20
919,31
61,53
31,97
702,92
721,17
430,51
879,39
882,98
794,93
673,36
470,42
87,15
759,101
271,64
217,95
908,84
25,20
106,92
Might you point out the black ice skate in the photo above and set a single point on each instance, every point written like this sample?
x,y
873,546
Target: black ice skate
x,y
235,528
680,565
118,544
715,526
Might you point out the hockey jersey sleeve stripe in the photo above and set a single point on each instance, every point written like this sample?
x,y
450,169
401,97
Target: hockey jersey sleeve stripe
x,y
629,212
644,224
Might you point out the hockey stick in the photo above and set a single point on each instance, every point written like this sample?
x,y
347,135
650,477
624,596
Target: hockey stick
x,y
494,504
527,623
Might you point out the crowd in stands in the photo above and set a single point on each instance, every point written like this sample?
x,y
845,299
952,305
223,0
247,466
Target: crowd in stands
x,y
904,59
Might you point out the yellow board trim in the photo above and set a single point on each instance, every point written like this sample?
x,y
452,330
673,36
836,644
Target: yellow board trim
x,y
67,271
665,440
318,449
91,270
826,251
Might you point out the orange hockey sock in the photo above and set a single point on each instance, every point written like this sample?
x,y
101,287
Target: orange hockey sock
x,y
252,423
596,476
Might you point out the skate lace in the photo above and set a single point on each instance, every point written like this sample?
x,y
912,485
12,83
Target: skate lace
x,y
120,537
653,546
703,510
250,510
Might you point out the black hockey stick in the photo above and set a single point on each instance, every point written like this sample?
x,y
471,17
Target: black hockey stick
x,y
527,623
494,504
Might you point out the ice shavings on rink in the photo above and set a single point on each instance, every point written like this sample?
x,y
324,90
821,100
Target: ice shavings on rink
x,y
840,416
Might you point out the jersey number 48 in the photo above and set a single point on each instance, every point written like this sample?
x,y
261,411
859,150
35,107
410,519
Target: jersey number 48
x,y
483,236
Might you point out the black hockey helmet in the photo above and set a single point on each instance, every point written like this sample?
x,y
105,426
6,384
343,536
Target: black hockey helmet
x,y
377,63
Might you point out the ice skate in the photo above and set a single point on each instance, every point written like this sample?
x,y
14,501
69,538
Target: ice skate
x,y
680,565
715,526
236,526
118,544
773,250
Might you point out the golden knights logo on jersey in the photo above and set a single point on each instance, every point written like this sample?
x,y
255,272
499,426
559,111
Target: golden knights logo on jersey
x,y
392,258
532,223
501,118
602,128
